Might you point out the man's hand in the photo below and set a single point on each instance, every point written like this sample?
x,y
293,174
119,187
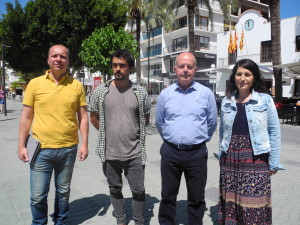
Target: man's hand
x,y
23,154
83,153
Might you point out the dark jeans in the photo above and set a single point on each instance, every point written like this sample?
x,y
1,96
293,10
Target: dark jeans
x,y
135,174
193,163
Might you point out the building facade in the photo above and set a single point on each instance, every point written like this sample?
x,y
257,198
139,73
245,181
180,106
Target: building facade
x,y
254,32
159,48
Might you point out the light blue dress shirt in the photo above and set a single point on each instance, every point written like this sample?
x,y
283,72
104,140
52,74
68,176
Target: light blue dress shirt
x,y
186,117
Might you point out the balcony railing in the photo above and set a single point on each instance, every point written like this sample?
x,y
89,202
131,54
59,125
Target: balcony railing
x,y
208,48
153,33
215,29
151,53
173,48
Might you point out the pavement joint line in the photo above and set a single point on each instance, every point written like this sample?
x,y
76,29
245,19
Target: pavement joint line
x,y
14,203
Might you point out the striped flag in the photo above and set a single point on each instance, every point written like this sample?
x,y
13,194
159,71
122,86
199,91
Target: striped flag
x,y
230,44
242,40
234,42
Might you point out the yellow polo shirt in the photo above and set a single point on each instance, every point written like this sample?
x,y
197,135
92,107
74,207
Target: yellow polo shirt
x,y
55,107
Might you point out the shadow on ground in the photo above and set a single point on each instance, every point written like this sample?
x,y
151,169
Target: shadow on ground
x,y
86,208
181,213
214,214
8,119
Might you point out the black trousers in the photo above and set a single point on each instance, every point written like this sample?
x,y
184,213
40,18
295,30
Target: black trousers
x,y
193,163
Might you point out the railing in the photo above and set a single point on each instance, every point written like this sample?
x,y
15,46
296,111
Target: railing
x,y
208,48
172,48
215,29
153,33
151,53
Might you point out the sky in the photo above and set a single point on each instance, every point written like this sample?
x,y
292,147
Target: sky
x,y
289,8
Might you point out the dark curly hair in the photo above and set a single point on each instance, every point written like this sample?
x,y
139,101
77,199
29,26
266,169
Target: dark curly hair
x,y
125,54
258,83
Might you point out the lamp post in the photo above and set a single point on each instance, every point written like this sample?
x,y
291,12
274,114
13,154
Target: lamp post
x,y
3,77
148,67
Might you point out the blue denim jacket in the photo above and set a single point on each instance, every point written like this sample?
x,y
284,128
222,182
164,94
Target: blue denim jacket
x,y
263,122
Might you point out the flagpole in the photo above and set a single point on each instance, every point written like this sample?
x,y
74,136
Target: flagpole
x,y
242,39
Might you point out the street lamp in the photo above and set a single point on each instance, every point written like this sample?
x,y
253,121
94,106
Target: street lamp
x,y
3,76
148,67
147,32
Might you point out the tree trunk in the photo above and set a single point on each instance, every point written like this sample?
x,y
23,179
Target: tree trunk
x,y
276,46
138,49
191,4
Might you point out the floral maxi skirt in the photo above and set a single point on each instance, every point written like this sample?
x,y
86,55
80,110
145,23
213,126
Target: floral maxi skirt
x,y
245,185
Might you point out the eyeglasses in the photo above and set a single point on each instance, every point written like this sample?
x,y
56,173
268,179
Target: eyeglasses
x,y
121,65
189,67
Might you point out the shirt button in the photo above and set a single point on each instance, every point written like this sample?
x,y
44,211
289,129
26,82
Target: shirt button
x,y
255,142
250,121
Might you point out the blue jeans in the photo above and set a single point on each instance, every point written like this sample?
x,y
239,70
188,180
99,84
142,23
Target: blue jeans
x,y
61,160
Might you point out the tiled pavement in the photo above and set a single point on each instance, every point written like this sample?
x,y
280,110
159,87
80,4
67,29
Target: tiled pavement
x,y
89,201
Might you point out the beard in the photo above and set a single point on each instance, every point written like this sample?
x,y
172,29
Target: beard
x,y
120,76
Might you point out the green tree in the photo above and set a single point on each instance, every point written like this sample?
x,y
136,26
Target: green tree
x,y
42,23
97,49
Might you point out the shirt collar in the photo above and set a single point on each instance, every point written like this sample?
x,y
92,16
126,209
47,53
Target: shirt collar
x,y
133,85
192,87
63,79
254,97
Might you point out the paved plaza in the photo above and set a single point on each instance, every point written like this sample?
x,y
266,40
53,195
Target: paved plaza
x,y
89,201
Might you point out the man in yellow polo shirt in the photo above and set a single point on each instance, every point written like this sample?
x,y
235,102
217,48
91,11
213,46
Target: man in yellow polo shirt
x,y
55,107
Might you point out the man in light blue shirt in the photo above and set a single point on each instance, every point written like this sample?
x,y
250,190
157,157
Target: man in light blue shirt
x,y
186,118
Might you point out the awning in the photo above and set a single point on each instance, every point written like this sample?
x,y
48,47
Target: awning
x,y
264,70
291,70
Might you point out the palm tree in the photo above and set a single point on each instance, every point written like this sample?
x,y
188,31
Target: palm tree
x,y
153,13
276,46
135,9
191,7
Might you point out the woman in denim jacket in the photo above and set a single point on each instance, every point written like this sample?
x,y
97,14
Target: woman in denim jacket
x,y
249,148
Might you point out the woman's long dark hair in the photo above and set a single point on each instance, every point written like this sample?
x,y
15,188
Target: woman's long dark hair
x,y
258,83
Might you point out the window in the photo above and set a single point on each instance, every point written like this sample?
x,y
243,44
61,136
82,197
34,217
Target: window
x,y
172,65
298,43
155,69
202,4
201,42
180,43
265,55
155,50
201,22
231,58
180,23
